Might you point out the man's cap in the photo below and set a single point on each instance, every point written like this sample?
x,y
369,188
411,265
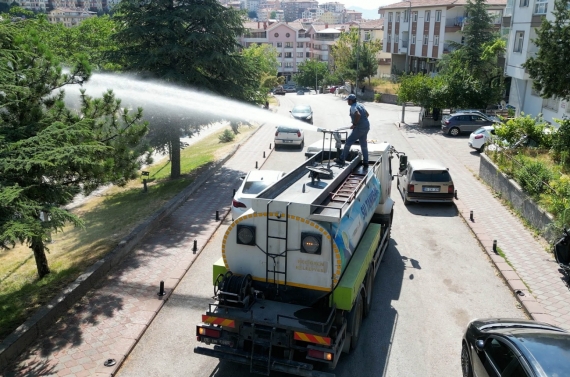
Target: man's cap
x,y
351,97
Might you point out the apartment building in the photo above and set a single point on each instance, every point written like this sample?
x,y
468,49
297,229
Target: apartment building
x,y
419,31
69,17
323,38
334,7
35,5
294,9
373,31
331,18
350,16
290,39
312,13
520,21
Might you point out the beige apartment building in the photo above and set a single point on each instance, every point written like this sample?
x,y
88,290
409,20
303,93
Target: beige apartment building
x,y
419,31
69,17
374,31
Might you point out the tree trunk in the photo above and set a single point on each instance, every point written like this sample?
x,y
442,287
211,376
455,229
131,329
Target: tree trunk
x,y
40,256
175,157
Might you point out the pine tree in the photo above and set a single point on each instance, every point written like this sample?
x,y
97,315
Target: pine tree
x,y
48,152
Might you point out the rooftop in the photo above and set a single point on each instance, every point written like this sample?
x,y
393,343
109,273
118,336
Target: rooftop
x,y
435,3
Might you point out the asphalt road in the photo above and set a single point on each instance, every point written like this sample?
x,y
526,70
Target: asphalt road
x,y
433,280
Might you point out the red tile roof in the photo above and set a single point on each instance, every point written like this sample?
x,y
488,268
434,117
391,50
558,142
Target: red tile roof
x,y
435,3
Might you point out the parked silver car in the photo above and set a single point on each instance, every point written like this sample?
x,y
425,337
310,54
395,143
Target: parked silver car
x,y
457,123
425,181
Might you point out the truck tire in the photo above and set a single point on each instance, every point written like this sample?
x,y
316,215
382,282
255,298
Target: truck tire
x,y
355,322
369,286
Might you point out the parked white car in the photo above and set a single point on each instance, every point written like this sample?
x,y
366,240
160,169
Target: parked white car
x,y
253,183
289,136
481,137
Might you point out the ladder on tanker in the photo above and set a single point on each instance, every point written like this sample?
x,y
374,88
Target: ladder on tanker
x,y
347,191
261,346
275,258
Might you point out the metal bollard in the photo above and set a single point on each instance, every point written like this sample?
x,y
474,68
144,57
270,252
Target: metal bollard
x,y
195,248
161,291
217,215
455,195
145,189
256,164
263,154
269,146
471,215
495,246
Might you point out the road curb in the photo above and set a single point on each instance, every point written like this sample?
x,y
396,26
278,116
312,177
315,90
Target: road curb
x,y
16,343
525,298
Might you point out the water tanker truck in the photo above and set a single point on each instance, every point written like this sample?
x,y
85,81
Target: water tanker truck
x,y
297,269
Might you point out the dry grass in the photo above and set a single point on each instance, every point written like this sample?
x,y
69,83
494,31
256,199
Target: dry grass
x,y
108,218
384,86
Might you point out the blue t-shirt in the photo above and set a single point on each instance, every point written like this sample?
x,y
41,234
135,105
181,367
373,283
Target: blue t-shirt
x,y
363,122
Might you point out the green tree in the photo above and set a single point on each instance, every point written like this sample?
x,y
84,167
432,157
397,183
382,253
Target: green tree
x,y
252,14
553,57
423,90
354,59
189,43
477,33
49,153
273,15
264,58
310,73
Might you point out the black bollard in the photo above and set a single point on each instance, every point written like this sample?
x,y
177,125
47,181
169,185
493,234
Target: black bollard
x,y
217,215
195,248
145,189
161,291
471,215
263,154
256,164
455,195
269,146
495,246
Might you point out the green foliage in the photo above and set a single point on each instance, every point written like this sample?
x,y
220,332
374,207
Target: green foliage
x,y
377,97
559,203
477,34
311,73
538,132
49,153
252,14
353,58
532,175
561,141
227,136
553,56
423,90
17,11
264,58
273,15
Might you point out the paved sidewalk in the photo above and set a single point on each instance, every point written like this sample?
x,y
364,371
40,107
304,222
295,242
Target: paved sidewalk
x,y
532,272
109,320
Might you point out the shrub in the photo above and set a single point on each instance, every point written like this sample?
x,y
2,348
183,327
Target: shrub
x,y
227,136
559,203
561,141
534,128
377,97
532,175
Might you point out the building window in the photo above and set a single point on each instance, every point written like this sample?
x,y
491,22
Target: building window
x,y
425,39
415,16
519,40
288,44
436,40
288,55
413,39
300,44
287,35
396,38
406,16
276,35
280,64
366,35
540,6
390,17
389,38
279,44
308,55
397,16
523,3
279,54
427,16
437,16
552,103
299,54
308,45
288,64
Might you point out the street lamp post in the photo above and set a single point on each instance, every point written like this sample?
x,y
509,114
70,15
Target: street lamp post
x,y
407,51
316,83
357,62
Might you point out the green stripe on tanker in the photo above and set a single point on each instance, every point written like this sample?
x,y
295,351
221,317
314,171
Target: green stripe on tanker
x,y
348,288
219,268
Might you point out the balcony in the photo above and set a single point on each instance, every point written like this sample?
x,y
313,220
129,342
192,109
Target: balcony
x,y
330,38
454,24
448,48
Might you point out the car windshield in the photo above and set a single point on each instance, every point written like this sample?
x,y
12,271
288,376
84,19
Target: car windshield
x,y
431,176
287,130
551,351
255,187
302,109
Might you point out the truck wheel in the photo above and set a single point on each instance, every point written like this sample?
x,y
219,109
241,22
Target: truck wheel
x,y
354,322
369,290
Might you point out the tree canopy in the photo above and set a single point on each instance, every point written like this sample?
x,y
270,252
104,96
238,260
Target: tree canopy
x,y
549,68
189,43
353,58
48,152
311,73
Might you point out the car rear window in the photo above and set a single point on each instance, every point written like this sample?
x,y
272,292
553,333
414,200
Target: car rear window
x,y
288,130
479,130
431,176
301,109
255,187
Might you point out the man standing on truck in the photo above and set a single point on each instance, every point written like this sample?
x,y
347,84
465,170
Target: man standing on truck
x,y
360,127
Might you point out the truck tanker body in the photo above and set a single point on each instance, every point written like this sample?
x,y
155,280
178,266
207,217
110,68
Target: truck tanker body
x,y
297,269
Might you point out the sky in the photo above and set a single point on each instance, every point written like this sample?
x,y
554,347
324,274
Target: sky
x,y
366,4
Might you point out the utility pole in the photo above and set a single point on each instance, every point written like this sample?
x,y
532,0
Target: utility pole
x,y
316,84
357,62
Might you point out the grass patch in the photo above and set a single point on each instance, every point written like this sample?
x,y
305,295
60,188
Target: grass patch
x,y
384,86
108,218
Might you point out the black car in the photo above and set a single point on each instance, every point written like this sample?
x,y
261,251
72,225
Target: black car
x,y
303,112
516,348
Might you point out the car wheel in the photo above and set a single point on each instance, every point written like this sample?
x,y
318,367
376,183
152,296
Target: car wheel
x,y
454,131
466,362
480,150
